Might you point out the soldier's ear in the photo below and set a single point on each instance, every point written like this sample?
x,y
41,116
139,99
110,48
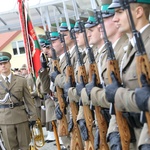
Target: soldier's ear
x,y
139,12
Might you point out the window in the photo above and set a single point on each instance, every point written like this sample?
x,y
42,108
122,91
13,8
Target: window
x,y
18,48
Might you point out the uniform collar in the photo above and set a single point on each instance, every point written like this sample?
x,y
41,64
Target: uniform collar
x,y
9,77
61,56
132,40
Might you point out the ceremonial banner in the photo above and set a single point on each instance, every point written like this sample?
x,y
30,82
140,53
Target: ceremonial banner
x,y
31,43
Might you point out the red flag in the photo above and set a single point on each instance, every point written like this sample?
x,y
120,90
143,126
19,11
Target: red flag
x,y
31,43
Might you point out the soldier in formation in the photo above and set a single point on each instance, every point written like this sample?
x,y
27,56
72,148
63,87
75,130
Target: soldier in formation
x,y
108,41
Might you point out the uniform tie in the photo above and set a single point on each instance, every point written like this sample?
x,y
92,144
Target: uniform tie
x,y
7,81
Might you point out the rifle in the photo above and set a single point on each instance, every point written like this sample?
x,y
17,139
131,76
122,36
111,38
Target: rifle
x,y
142,61
63,125
102,124
55,63
76,140
112,66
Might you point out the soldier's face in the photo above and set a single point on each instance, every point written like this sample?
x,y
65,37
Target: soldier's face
x,y
47,52
121,20
67,38
5,68
57,45
94,35
24,72
80,39
110,27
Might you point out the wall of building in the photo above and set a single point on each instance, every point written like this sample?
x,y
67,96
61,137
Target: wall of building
x,y
18,60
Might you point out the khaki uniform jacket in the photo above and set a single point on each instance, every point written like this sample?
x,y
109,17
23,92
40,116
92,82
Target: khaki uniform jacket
x,y
19,88
98,94
61,78
45,89
125,98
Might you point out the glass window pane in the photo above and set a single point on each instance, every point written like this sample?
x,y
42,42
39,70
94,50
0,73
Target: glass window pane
x,y
22,50
14,45
15,51
20,44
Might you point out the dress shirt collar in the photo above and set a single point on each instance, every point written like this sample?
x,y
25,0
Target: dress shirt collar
x,y
9,77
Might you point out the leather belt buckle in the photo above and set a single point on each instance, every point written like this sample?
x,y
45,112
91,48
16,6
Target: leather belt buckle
x,y
11,105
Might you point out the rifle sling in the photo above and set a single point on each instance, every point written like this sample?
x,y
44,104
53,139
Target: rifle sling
x,y
8,91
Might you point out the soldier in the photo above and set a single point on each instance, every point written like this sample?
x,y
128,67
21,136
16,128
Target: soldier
x,y
58,78
96,93
14,95
49,104
72,92
127,98
24,70
34,90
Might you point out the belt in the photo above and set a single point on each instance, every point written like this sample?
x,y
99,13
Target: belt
x,y
12,105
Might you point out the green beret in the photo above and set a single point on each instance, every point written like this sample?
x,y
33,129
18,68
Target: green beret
x,y
54,33
5,57
43,40
140,1
91,22
116,3
63,25
104,8
76,27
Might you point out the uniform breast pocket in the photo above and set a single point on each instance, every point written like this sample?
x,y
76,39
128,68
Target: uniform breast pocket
x,y
2,94
18,89
18,92
132,81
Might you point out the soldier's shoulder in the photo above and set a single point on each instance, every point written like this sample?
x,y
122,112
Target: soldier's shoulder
x,y
19,76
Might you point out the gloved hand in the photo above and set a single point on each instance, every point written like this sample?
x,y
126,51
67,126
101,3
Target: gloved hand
x,y
70,125
67,85
43,61
54,74
111,89
58,112
114,140
142,94
92,84
32,123
96,139
80,86
144,147
83,129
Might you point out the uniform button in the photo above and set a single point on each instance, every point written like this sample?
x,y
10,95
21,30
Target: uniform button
x,y
134,76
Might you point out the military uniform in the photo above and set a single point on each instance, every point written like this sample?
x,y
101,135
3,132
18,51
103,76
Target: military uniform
x,y
125,96
14,117
60,79
47,92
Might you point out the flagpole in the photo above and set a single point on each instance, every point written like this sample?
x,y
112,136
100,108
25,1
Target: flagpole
x,y
32,46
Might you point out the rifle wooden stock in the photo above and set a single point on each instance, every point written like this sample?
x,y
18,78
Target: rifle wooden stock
x,y
62,124
56,135
112,66
76,140
89,144
143,66
102,124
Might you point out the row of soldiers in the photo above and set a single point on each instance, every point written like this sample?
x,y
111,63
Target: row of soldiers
x,y
86,100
